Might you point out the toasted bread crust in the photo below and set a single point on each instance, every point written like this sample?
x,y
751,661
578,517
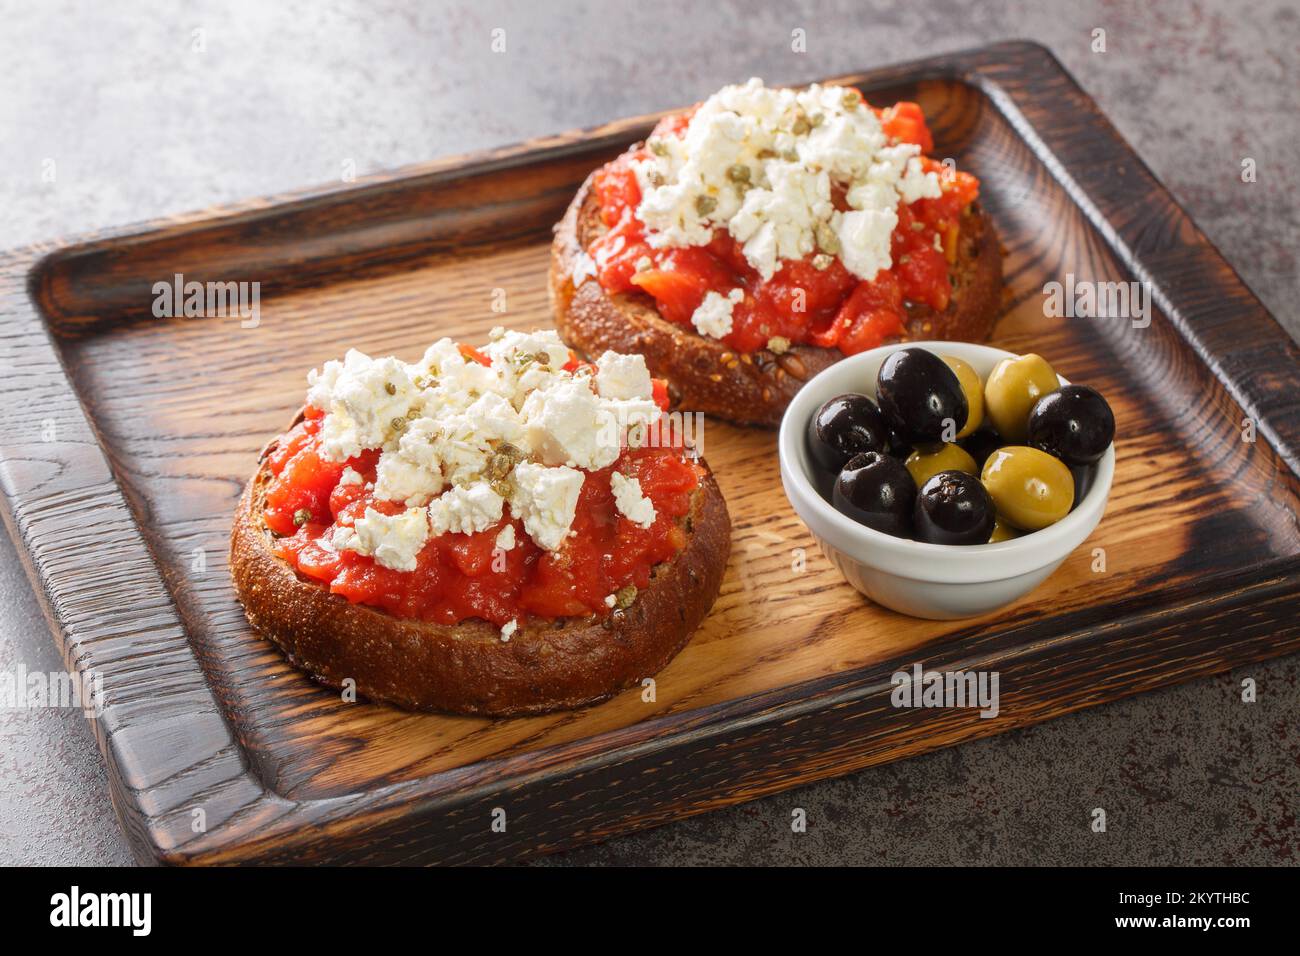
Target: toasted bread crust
x,y
704,374
466,668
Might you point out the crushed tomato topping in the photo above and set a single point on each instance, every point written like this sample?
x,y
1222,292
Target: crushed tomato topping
x,y
838,310
462,576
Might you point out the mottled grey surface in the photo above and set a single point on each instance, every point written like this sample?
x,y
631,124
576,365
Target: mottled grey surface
x,y
137,115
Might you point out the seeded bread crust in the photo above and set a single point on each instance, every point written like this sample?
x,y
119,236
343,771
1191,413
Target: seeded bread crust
x,y
466,668
704,374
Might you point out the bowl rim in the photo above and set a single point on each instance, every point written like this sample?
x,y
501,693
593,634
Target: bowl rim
x,y
918,559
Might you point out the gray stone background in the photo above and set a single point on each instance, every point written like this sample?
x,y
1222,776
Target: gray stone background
x,y
139,124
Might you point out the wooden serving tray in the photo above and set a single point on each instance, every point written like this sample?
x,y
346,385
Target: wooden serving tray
x,y
126,438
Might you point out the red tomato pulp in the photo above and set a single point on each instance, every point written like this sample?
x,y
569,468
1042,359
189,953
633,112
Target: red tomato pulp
x,y
460,576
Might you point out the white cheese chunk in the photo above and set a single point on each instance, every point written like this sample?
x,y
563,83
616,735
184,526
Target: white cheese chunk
x,y
400,476
778,222
508,630
466,509
458,380
546,342
506,538
569,425
623,376
394,541
545,499
630,500
365,400
916,184
713,317
864,236
453,448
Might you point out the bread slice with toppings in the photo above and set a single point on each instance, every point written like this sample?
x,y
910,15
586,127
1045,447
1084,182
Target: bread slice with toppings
x,y
497,532
706,373
466,668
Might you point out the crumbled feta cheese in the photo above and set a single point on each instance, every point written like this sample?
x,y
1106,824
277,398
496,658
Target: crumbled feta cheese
x,y
458,380
453,448
506,538
778,222
864,236
527,361
630,500
623,376
545,499
393,541
466,509
546,342
450,429
713,317
916,184
508,630
568,424
365,401
611,600
402,476
761,164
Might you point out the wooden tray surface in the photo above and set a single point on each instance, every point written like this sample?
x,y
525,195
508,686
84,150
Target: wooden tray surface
x,y
125,515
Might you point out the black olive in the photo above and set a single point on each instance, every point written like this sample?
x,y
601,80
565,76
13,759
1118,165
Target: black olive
x,y
1073,423
954,508
845,426
877,491
921,396
1083,478
898,446
980,444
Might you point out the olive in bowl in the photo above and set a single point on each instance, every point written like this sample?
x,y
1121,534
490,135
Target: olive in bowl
x,y
1032,490
876,490
921,397
846,425
1013,387
1073,423
952,507
980,444
972,388
928,460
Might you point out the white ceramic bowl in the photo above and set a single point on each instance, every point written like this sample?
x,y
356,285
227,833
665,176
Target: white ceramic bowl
x,y
942,582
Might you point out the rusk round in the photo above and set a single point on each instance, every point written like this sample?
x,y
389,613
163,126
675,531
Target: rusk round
x,y
467,668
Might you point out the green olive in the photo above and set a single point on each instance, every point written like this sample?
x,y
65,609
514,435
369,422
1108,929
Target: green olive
x,y
972,388
1030,488
928,460
1003,531
1014,385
